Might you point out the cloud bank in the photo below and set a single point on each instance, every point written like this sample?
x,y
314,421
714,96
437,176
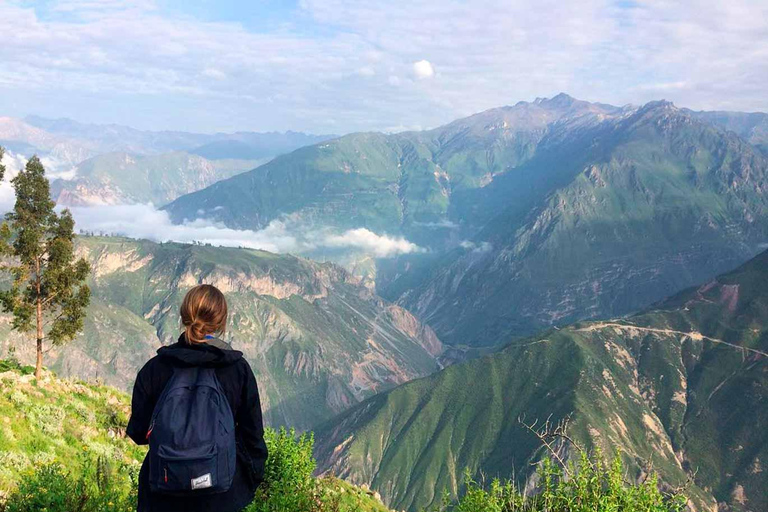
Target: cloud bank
x,y
280,236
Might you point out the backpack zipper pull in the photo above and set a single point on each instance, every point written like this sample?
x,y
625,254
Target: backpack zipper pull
x,y
150,428
166,474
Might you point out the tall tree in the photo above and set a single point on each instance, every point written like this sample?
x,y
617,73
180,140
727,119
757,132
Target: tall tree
x,y
48,294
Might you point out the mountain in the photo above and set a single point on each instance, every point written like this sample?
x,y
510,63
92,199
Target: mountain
x,y
118,138
121,178
532,215
65,145
684,384
318,340
399,184
750,126
22,138
256,146
601,222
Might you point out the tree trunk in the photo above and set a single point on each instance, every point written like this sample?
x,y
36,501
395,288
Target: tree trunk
x,y
39,319
39,364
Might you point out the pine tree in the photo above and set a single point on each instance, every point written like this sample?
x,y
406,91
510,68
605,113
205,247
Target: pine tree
x,y
48,295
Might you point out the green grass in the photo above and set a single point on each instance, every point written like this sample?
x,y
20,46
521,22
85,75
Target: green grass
x,y
63,449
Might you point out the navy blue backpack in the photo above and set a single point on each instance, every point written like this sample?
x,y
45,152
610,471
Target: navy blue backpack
x,y
192,436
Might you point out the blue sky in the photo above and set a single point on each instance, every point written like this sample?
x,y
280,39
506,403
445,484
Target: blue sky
x,y
335,66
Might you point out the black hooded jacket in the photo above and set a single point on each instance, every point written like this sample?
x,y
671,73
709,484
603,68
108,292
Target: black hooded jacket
x,y
239,386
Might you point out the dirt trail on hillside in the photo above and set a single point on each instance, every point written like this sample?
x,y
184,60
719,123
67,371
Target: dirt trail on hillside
x,y
694,335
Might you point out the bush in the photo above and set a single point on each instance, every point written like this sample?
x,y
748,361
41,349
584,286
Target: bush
x,y
590,486
288,482
97,488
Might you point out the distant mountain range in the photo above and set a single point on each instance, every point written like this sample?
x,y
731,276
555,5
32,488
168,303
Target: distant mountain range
x,y
114,164
537,214
318,340
682,386
122,178
118,138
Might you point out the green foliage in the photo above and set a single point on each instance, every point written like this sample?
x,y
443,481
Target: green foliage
x,y
98,487
594,487
47,281
2,167
290,486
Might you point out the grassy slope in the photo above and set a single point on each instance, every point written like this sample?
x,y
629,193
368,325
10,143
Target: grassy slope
x,y
317,339
660,385
57,419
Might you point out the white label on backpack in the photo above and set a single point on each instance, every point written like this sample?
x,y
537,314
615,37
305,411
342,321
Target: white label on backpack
x,y
201,482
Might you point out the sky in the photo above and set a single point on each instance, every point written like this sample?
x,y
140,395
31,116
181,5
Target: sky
x,y
337,66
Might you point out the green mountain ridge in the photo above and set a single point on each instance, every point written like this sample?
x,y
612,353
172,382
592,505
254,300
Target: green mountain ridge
x,y
121,178
683,384
318,340
538,214
659,202
401,183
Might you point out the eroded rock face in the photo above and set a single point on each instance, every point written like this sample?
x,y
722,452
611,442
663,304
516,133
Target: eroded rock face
x,y
318,339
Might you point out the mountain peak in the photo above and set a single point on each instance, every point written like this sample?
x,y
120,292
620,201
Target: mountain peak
x,y
560,100
658,105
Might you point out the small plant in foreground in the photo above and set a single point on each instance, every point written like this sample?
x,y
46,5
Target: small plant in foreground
x,y
593,486
98,487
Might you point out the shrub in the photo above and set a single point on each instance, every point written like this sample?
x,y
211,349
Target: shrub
x,y
97,488
288,482
591,485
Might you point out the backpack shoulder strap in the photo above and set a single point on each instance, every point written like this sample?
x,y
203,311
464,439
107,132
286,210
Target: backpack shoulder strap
x,y
181,377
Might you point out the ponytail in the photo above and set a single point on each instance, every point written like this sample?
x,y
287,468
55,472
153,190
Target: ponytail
x,y
203,312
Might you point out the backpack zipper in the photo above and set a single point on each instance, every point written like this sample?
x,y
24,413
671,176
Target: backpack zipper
x,y
166,474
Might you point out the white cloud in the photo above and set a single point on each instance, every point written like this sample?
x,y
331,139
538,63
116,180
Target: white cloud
x,y
381,246
147,67
145,221
280,236
444,223
482,247
423,69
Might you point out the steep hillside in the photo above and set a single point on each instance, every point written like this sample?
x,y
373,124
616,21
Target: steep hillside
x,y
318,340
64,421
538,214
752,126
684,384
400,184
601,222
57,420
120,178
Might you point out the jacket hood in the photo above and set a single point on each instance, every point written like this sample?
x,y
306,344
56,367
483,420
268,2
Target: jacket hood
x,y
182,353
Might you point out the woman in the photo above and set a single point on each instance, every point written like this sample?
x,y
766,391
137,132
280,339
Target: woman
x,y
203,315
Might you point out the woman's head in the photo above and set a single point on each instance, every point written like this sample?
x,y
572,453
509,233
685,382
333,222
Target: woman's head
x,y
203,312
